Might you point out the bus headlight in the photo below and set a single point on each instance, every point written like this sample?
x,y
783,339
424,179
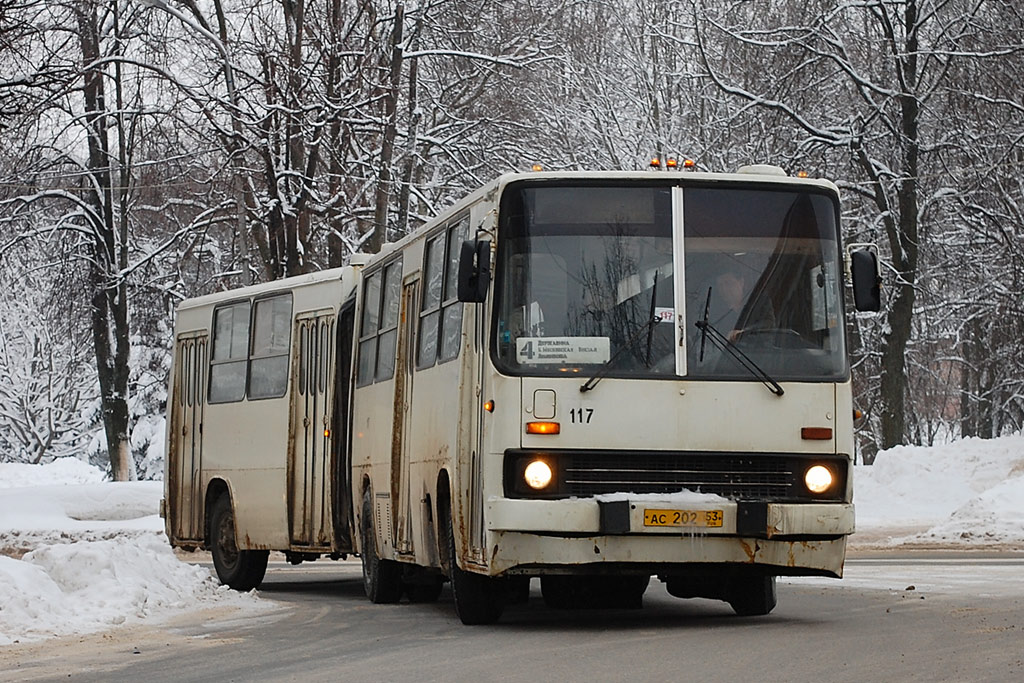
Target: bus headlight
x,y
818,479
537,474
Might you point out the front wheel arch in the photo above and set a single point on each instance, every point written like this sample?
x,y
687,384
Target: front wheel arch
x,y
242,570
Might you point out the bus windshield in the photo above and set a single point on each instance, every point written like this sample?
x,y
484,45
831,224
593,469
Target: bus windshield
x,y
586,281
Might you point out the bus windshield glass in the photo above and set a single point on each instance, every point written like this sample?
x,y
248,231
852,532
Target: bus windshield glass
x,y
584,273
579,268
762,269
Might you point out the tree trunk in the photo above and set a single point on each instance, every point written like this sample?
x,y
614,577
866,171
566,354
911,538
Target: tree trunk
x,y
387,148
109,291
904,244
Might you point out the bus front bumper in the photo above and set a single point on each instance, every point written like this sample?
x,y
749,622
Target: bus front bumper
x,y
581,535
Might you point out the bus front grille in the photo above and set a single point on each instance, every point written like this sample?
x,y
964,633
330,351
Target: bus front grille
x,y
736,476
724,475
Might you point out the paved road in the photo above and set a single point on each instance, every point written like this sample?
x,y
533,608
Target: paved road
x,y
961,621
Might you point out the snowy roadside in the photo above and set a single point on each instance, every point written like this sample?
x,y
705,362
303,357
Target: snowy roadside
x,y
79,555
968,494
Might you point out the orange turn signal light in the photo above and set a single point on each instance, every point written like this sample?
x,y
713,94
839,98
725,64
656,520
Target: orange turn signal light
x,y
655,162
543,428
857,414
671,163
689,163
816,433
489,406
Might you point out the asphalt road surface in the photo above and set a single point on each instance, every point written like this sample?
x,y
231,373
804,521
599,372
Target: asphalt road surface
x,y
896,617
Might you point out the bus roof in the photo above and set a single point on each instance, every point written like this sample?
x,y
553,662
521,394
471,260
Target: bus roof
x,y
755,174
305,280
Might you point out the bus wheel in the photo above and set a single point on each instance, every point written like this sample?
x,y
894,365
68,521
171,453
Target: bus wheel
x,y
382,579
478,599
242,570
752,596
424,592
592,592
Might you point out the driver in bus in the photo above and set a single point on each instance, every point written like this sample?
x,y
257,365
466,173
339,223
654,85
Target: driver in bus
x,y
741,313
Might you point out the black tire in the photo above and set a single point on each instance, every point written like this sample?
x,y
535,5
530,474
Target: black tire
x,y
382,579
241,570
478,599
428,591
594,592
558,591
517,590
752,596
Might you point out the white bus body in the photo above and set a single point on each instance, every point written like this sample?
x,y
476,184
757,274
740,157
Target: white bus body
x,y
257,424
654,381
689,466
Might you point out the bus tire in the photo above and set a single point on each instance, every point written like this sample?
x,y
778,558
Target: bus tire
x,y
752,596
424,592
478,599
241,570
594,592
382,579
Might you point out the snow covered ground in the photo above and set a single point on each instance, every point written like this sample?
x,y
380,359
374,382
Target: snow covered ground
x,y
79,555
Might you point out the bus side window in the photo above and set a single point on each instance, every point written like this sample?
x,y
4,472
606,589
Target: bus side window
x,y
378,333
451,315
268,367
386,347
440,332
368,330
430,310
230,353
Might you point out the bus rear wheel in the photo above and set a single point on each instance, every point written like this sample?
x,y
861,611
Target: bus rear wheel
x,y
382,579
478,599
241,570
752,596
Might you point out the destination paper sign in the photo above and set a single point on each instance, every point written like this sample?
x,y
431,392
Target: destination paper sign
x,y
562,350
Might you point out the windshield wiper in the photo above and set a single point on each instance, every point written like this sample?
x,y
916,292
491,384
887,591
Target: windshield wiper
x,y
708,331
646,327
704,329
651,316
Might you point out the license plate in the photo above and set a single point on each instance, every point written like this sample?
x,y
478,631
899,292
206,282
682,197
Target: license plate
x,y
708,518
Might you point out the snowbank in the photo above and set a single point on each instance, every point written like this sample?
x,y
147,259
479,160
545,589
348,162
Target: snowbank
x,y
79,555
95,585
60,471
967,493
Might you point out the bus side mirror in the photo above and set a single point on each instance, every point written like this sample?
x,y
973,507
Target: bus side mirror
x,y
867,294
474,271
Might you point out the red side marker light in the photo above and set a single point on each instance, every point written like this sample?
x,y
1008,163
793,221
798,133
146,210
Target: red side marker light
x,y
816,433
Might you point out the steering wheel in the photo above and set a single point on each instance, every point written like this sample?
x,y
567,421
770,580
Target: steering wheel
x,y
781,337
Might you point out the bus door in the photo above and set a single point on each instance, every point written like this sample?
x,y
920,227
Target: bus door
x,y
309,505
187,443
341,469
401,503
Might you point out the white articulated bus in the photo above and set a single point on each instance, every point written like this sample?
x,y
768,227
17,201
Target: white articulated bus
x,y
592,378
